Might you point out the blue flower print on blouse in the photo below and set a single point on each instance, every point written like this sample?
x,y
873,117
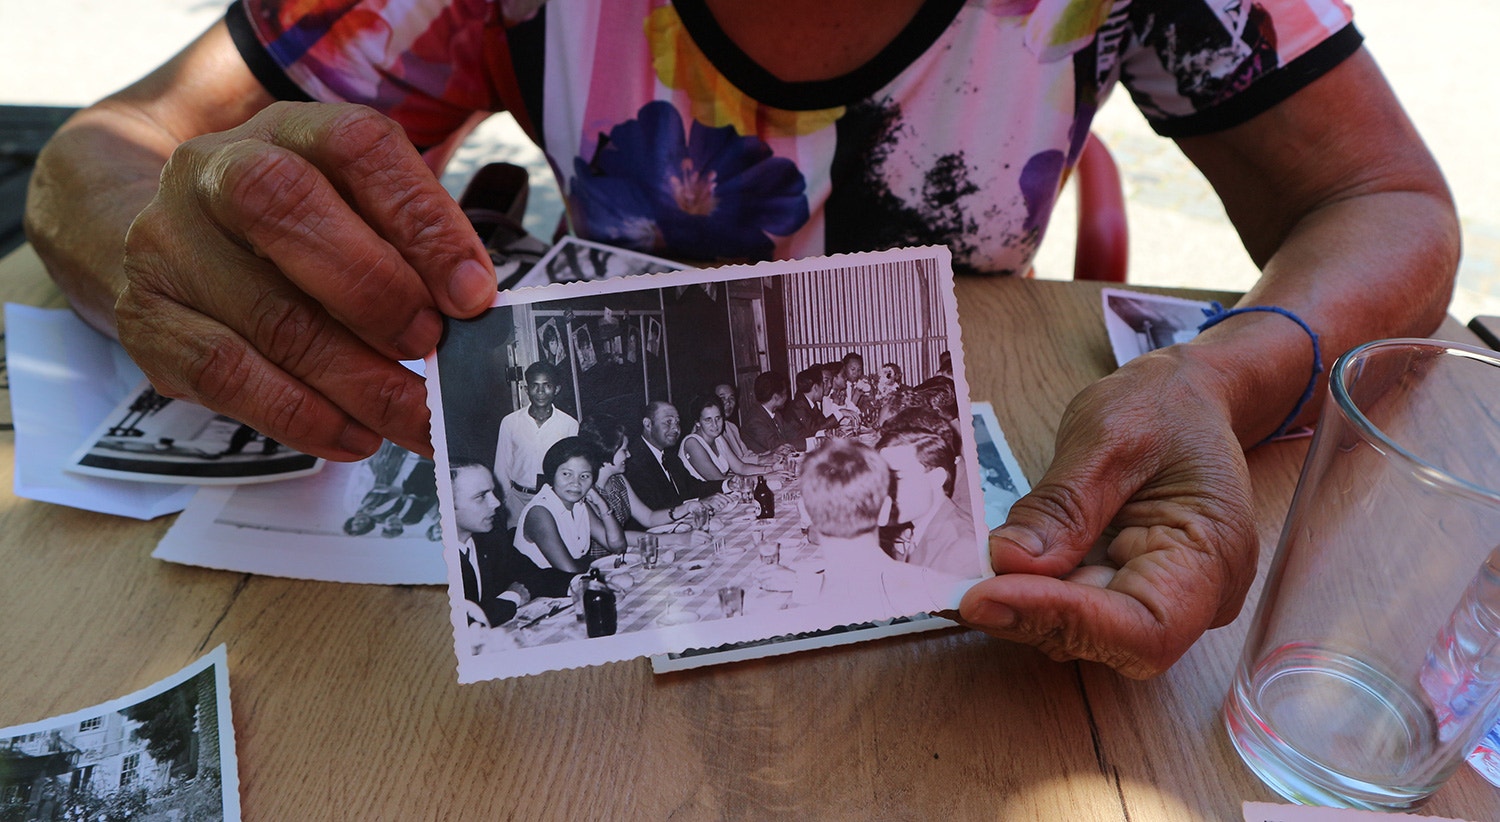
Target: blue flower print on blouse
x,y
709,194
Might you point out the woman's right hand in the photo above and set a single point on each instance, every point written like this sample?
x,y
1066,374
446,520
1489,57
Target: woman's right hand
x,y
284,267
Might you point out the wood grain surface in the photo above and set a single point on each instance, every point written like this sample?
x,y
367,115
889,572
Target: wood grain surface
x,y
346,704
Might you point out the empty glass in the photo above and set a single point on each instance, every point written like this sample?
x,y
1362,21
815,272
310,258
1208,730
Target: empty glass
x,y
1372,666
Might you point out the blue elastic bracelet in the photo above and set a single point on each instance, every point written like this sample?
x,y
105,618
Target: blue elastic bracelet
x,y
1216,313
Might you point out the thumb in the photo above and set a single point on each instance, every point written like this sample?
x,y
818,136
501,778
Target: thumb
x,y
1050,530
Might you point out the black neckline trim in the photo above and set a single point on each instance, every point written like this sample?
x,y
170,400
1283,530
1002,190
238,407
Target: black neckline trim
x,y
265,68
1268,91
748,76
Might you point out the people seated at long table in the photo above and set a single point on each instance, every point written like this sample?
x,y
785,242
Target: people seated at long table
x,y
494,584
846,493
761,422
706,453
567,515
610,438
654,468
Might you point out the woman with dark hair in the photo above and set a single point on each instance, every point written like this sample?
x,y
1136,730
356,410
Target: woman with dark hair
x,y
705,452
610,441
729,399
567,514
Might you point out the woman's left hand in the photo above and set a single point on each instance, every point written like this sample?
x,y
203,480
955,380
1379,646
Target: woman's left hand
x,y
1146,464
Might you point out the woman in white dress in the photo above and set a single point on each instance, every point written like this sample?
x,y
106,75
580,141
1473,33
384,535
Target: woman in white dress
x,y
705,452
567,514
729,400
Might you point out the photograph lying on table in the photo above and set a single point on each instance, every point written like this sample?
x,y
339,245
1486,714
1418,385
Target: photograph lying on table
x,y
1138,322
152,438
1001,482
373,521
572,260
164,752
739,480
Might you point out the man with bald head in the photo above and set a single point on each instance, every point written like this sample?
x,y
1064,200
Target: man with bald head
x,y
654,468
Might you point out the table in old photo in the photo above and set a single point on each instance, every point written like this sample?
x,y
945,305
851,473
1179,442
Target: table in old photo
x,y
346,704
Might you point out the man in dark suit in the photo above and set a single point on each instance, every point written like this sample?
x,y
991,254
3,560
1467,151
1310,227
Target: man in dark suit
x,y
492,590
654,469
761,424
803,417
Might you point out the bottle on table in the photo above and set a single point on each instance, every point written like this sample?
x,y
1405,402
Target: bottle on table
x,y
599,612
764,498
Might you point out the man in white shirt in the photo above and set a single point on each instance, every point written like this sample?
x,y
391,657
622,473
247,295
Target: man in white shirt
x,y
846,496
525,436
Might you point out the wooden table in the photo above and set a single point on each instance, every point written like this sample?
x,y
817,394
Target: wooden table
x,y
346,705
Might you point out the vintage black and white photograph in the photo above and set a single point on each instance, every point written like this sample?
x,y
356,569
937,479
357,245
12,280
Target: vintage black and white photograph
x,y
753,479
152,438
572,260
1001,482
1138,322
163,754
1000,478
373,521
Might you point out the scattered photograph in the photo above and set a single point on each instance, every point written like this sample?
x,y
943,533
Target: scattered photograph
x,y
572,260
1000,478
374,521
1138,322
162,753
1002,484
152,438
706,495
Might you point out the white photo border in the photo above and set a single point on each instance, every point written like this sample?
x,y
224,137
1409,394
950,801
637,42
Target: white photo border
x,y
510,662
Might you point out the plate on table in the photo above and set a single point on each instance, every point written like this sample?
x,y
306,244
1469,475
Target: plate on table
x,y
696,566
678,527
607,563
677,618
775,578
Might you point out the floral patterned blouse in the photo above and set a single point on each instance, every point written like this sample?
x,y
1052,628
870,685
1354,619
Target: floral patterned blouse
x,y
666,138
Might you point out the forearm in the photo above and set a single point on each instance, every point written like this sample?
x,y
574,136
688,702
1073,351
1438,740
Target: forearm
x,y
1340,203
91,181
104,165
1368,267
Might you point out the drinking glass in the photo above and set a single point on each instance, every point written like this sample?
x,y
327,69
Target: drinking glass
x,y
649,551
732,601
769,549
1372,666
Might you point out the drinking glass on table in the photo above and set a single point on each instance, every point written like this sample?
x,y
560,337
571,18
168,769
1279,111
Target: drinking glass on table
x,y
768,549
732,601
1372,666
650,551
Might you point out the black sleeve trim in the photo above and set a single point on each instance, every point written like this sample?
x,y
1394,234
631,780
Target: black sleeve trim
x,y
1268,91
262,65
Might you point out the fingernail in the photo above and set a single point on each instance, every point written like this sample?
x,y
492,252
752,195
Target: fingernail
x,y
421,336
995,615
471,287
1023,539
357,439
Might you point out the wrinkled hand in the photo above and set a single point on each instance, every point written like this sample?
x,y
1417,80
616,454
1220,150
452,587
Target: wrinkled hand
x,y
286,265
1147,467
